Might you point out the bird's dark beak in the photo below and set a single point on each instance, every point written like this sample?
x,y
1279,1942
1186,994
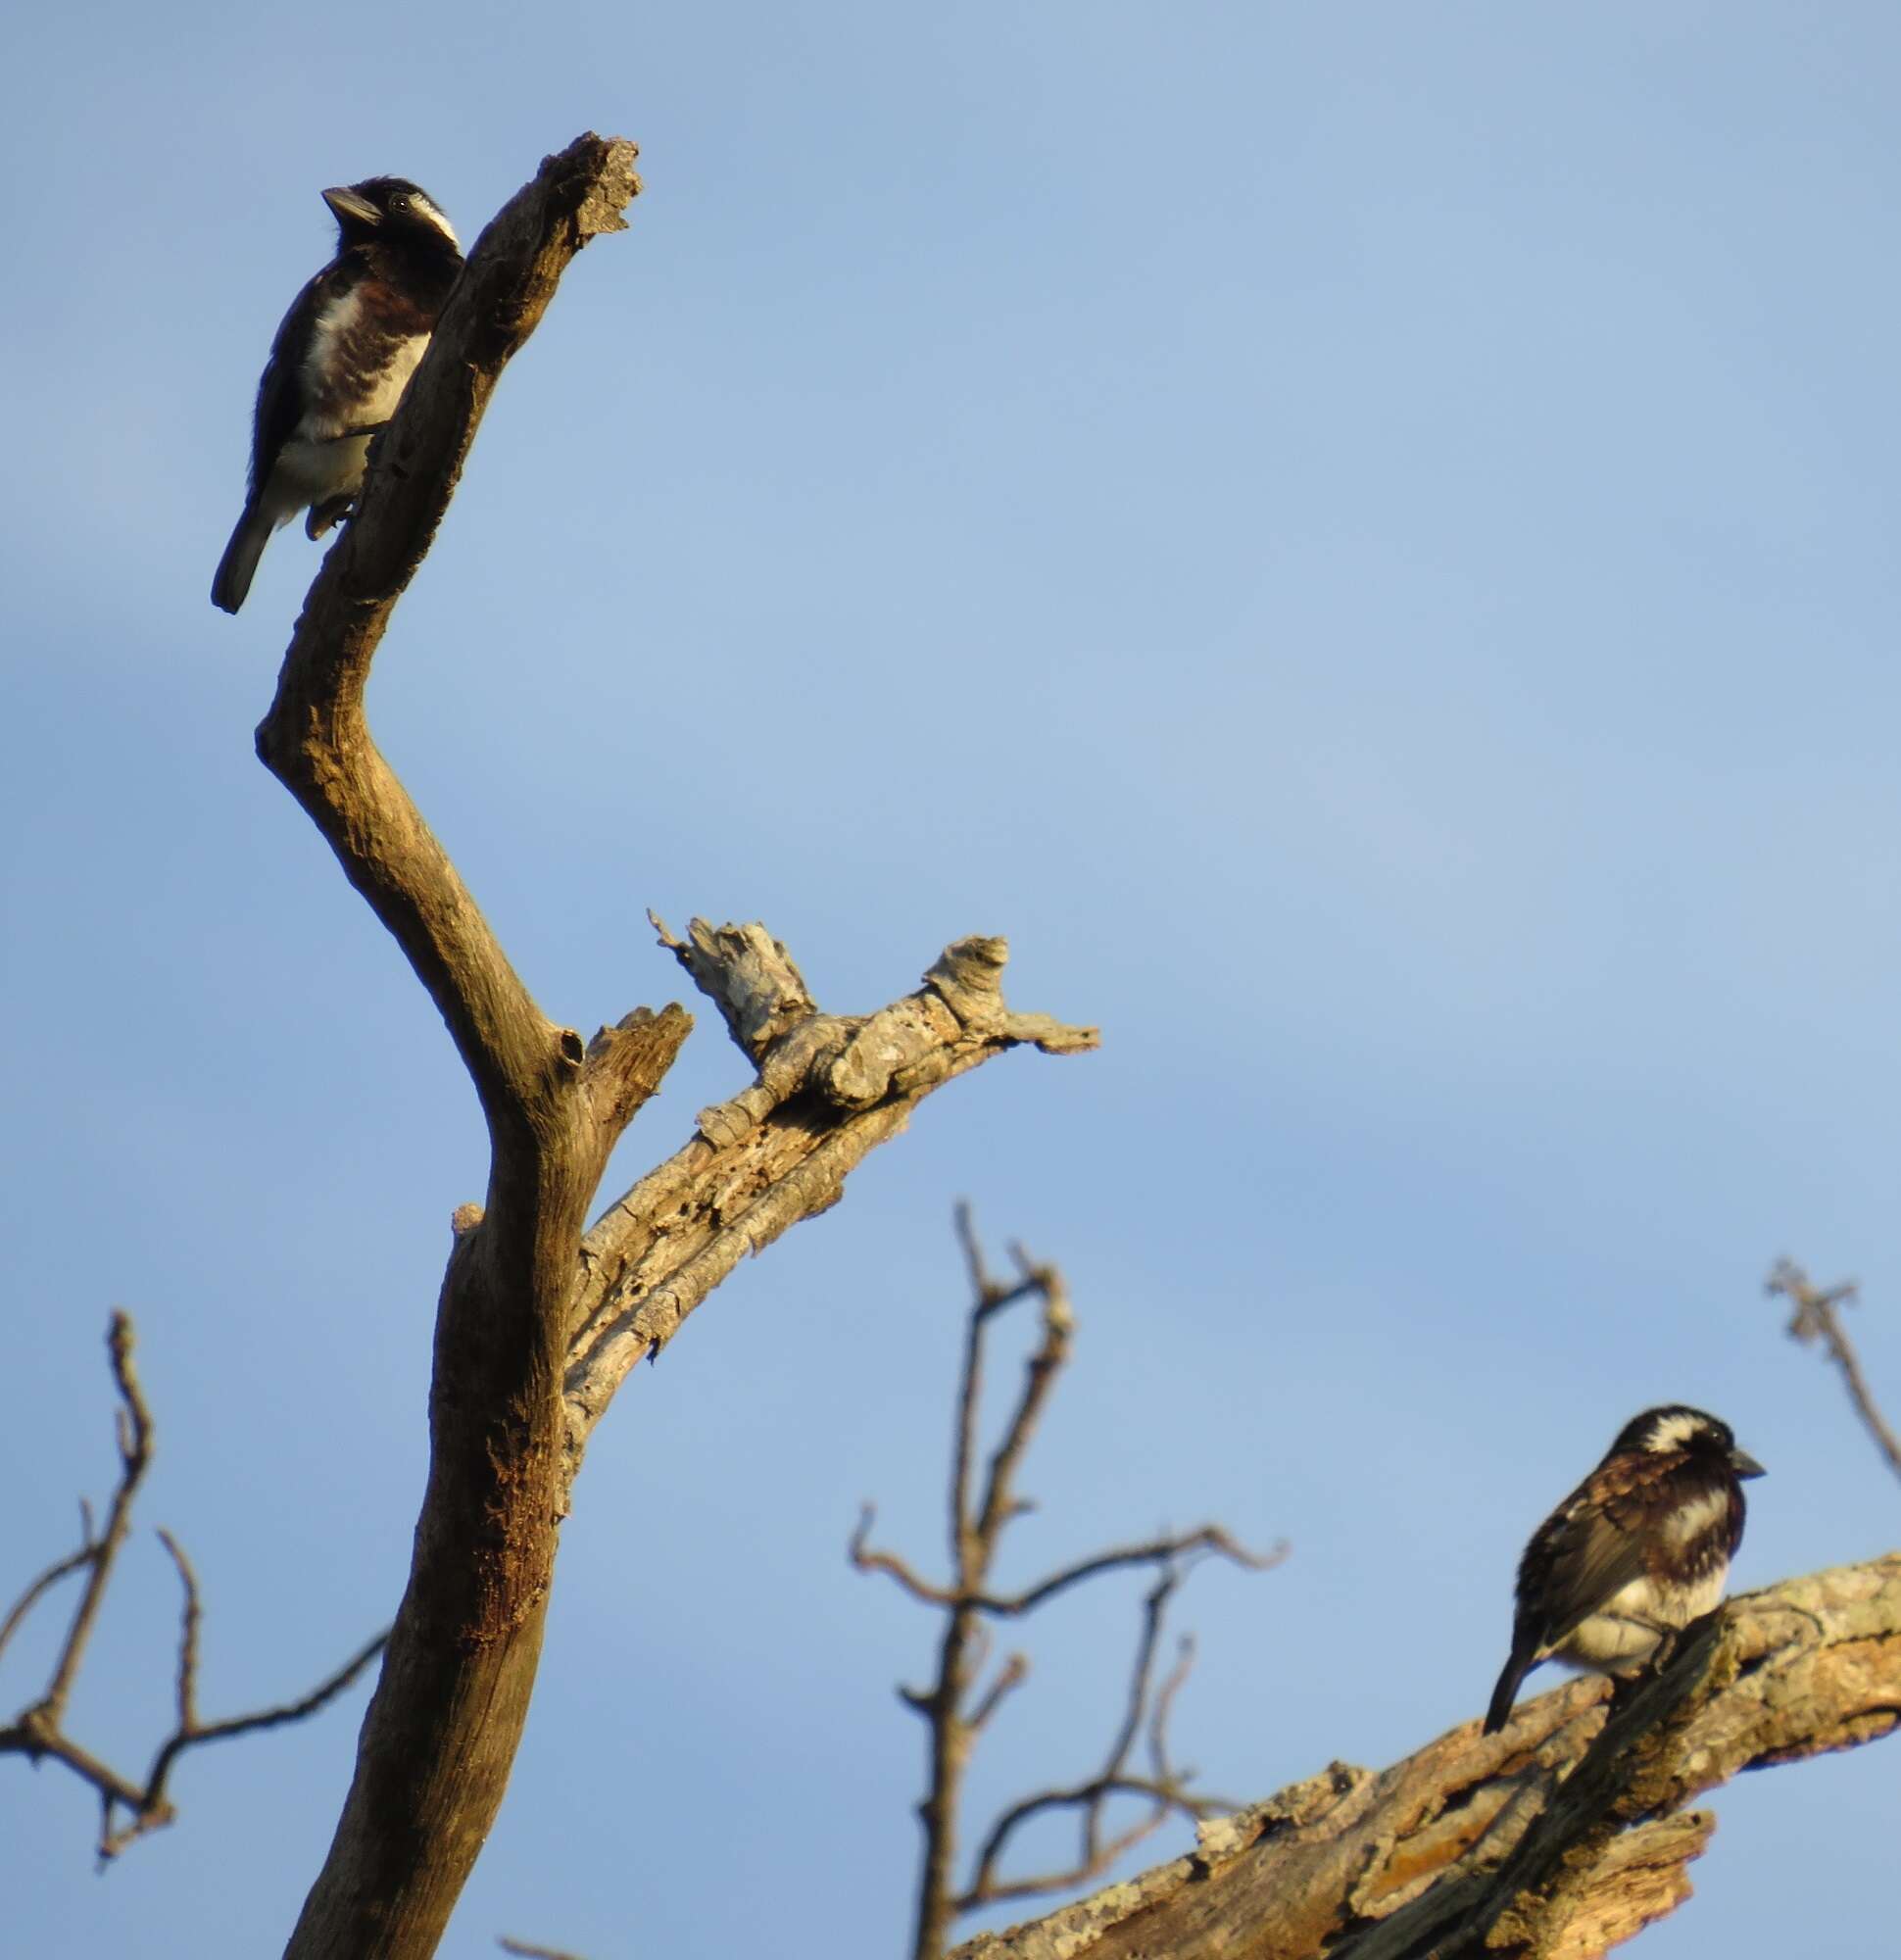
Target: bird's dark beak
x,y
347,204
1745,1465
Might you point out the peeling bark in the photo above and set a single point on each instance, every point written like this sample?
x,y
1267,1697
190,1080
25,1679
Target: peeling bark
x,y
1554,1839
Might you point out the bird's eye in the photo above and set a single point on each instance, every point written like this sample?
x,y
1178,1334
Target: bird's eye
x,y
399,202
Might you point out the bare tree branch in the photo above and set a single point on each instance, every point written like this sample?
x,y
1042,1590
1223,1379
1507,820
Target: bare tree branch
x,y
1556,1837
39,1731
315,738
133,1426
1156,1551
540,1320
1011,1606
828,1090
38,1588
954,1710
1009,1677
1166,1789
1814,1319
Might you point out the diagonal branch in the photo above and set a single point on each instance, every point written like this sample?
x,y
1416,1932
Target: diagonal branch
x,y
38,1588
134,1430
315,738
999,1502
153,1807
442,1729
828,1090
1559,1835
1815,1318
537,1325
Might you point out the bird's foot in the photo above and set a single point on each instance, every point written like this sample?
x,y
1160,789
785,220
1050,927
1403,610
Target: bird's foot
x,y
333,511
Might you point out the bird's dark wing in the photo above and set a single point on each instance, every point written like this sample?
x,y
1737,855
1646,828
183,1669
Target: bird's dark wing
x,y
280,393
1590,1548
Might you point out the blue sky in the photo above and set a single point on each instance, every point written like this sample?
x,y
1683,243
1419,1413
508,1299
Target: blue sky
x,y
1362,539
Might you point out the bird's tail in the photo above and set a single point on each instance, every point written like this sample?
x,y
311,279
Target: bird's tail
x,y
239,563
1506,1692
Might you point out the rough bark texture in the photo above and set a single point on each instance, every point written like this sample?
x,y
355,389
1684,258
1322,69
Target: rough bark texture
x,y
535,1325
1552,1840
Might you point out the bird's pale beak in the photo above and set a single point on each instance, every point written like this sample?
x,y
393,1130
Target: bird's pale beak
x,y
347,204
1745,1465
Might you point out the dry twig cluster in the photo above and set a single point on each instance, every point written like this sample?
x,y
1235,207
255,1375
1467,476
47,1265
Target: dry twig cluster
x,y
956,1709
128,1809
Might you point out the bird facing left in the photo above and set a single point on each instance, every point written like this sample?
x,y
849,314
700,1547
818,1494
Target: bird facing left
x,y
339,365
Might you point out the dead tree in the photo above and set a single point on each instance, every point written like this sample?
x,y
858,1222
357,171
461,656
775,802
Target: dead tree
x,y
541,1317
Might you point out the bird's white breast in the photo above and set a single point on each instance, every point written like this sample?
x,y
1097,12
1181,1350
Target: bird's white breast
x,y
1624,1631
340,345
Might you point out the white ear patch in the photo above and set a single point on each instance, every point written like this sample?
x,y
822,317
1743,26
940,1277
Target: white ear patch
x,y
1674,1431
426,208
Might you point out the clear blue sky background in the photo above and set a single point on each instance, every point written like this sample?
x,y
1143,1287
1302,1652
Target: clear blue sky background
x,y
1362,538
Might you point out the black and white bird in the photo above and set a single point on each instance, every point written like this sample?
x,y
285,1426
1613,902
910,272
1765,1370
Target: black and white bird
x,y
1639,1549
339,365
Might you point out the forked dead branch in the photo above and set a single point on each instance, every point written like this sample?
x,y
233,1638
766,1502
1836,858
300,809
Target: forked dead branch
x,y
130,1808
540,1319
956,1709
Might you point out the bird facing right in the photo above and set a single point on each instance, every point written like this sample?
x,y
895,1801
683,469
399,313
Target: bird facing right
x,y
1639,1549
339,365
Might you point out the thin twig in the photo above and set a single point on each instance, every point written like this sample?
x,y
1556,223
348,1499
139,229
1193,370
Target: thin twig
x,y
187,1635
1013,1605
1089,1797
954,1708
48,1579
1038,1378
1165,1790
1158,1551
990,1297
1010,1676
232,1725
135,1430
1814,1319
530,1952
39,1732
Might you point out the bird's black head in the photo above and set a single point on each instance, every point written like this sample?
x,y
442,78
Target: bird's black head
x,y
1675,1427
391,211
